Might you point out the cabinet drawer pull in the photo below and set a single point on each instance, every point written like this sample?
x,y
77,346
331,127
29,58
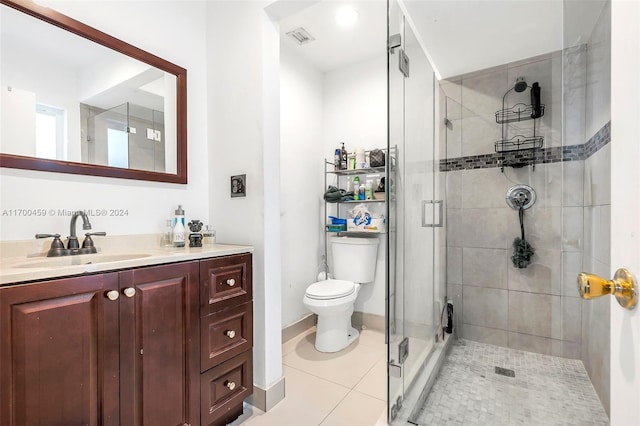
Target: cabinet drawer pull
x,y
113,295
230,334
129,291
231,385
231,282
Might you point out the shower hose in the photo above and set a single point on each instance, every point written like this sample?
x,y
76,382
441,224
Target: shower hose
x,y
522,250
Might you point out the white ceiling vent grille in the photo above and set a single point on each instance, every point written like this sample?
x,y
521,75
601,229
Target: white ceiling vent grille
x,y
301,36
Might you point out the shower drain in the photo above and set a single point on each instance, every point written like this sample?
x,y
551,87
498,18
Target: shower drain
x,y
505,372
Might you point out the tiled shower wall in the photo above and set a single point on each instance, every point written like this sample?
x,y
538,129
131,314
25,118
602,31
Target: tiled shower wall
x,y
597,207
538,308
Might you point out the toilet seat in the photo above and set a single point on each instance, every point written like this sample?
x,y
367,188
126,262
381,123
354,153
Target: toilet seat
x,y
330,289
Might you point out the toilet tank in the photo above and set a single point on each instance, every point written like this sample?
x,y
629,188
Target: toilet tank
x,y
354,259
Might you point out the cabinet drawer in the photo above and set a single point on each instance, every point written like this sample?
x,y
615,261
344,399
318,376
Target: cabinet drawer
x,y
225,334
225,282
223,388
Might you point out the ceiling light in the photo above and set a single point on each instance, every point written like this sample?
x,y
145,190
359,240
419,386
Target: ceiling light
x,y
346,16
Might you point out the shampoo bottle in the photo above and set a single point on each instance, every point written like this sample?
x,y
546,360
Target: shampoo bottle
x,y
178,227
356,188
343,158
368,190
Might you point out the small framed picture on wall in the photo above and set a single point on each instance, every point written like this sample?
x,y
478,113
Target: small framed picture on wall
x,y
239,186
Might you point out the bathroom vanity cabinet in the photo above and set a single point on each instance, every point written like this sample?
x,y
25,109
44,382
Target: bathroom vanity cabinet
x,y
124,347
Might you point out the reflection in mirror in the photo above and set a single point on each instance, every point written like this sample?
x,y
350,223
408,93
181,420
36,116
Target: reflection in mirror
x,y
69,99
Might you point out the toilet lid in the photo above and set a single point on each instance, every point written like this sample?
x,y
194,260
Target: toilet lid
x,y
330,289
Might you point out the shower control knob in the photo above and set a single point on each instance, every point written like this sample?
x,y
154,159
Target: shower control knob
x,y
230,334
231,282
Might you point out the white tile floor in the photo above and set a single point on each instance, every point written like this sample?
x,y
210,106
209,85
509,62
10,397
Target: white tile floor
x,y
346,388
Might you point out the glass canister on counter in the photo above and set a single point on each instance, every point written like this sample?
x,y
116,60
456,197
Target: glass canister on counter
x,y
167,234
208,236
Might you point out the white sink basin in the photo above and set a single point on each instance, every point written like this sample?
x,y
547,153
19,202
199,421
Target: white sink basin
x,y
80,259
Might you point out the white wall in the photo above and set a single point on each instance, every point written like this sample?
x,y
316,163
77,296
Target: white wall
x,y
243,93
318,112
178,30
301,180
355,112
53,83
355,105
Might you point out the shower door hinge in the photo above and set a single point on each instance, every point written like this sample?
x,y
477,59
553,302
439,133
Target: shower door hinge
x,y
395,41
395,370
403,350
403,63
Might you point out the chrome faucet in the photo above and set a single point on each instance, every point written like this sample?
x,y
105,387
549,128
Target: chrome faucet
x,y
72,243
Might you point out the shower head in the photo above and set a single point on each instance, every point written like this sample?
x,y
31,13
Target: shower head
x,y
520,85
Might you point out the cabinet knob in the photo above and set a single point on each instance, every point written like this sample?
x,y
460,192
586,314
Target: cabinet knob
x,y
231,282
230,334
113,295
129,291
231,385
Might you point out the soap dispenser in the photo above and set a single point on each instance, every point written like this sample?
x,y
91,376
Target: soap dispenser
x,y
178,228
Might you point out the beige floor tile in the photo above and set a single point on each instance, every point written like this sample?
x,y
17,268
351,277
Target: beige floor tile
x,y
356,409
346,367
372,338
308,401
374,383
306,336
249,412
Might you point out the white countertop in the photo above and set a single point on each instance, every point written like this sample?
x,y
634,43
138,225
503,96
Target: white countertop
x,y
19,262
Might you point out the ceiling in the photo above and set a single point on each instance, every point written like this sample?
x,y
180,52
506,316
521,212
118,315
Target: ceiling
x,y
460,36
335,47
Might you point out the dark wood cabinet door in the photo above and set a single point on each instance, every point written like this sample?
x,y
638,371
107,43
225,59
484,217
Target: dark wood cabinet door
x,y
159,345
59,352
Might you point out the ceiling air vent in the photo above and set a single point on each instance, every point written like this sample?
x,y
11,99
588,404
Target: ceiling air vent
x,y
300,35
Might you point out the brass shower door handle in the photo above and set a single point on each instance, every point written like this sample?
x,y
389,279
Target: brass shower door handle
x,y
623,286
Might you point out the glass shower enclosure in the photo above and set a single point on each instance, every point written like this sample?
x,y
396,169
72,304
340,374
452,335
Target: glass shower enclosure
x,y
415,273
127,136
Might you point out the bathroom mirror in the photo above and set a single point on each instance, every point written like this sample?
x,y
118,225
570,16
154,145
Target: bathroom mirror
x,y
77,100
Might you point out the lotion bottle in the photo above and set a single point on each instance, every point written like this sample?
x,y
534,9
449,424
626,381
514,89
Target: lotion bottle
x,y
178,228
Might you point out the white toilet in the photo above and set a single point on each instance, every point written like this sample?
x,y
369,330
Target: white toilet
x,y
354,263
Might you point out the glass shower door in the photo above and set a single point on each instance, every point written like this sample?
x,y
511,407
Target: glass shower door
x,y
414,216
111,137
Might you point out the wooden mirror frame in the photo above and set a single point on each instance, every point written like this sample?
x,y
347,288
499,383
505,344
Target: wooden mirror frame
x,y
76,27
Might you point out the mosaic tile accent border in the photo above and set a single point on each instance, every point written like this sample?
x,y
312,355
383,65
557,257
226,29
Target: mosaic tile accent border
x,y
524,158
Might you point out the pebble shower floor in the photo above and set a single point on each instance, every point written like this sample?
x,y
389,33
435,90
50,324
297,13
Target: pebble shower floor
x,y
546,390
